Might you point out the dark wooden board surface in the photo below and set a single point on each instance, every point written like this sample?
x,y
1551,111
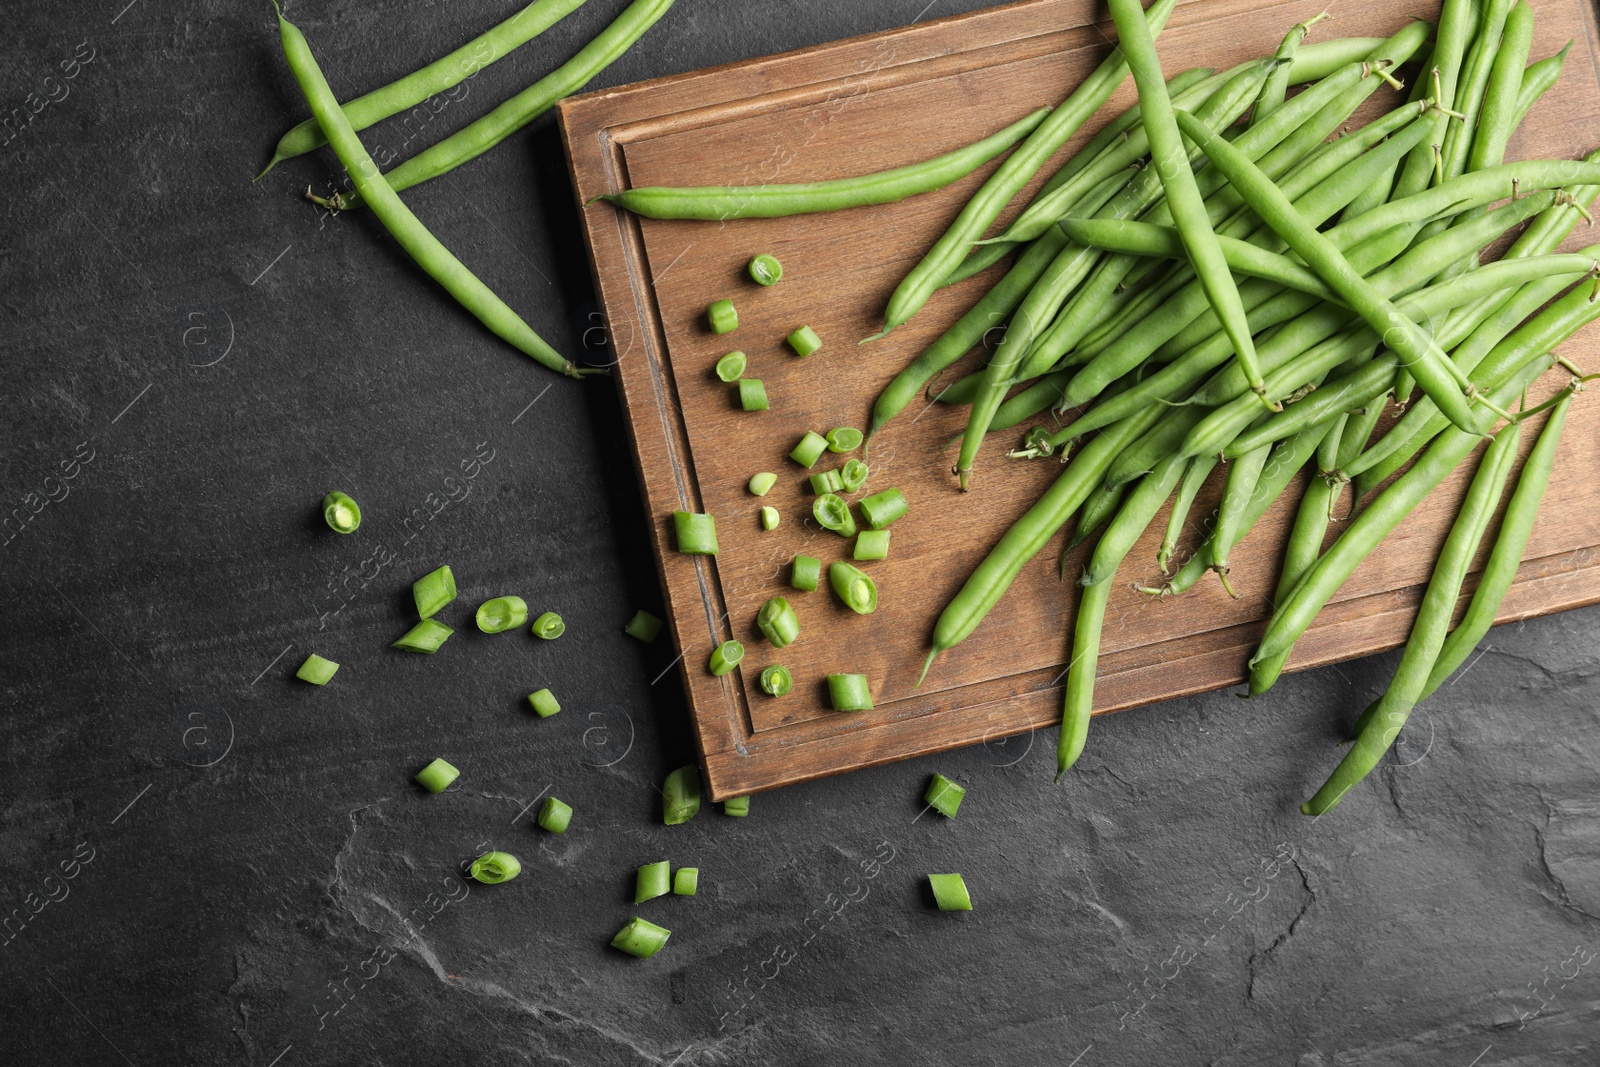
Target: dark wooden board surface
x,y
885,100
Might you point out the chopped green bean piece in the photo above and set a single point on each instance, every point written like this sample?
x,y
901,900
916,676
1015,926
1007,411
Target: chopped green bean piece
x,y
341,513
778,621
426,636
437,776
770,518
316,670
776,680
680,795
641,938
697,534
804,341
880,509
544,702
501,614
433,591
753,394
833,513
722,316
950,892
738,807
765,269
853,474
843,439
730,368
849,692
852,585
827,482
810,449
761,484
685,880
555,816
944,796
806,573
645,626
725,657
492,868
872,544
549,626
653,880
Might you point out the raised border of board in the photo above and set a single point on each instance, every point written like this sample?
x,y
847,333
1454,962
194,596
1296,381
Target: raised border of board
x,y
738,759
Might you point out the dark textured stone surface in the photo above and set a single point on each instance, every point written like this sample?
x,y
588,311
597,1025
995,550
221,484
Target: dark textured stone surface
x,y
156,613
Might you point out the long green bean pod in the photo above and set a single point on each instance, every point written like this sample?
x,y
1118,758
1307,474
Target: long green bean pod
x,y
1194,476
478,137
720,202
411,235
1432,622
1506,556
1458,19
1474,79
1170,160
1277,86
914,290
437,77
1496,118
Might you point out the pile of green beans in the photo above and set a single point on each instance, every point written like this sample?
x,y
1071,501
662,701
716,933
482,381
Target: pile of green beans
x,y
1163,322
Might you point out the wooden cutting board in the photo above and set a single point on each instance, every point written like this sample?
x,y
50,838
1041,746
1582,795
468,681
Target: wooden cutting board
x,y
886,100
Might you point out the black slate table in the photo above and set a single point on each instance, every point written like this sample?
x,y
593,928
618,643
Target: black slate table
x,y
206,862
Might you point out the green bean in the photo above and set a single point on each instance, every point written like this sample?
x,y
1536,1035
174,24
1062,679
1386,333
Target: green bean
x,y
722,317
1285,462
1506,555
436,77
1170,160
1097,510
1194,476
720,202
1434,372
1374,523
1305,544
1141,456
1469,97
1237,489
1428,632
478,137
411,235
1242,257
914,290
1273,92
1024,538
999,302
1541,334
988,254
1030,401
1496,117
1095,591
1458,20
1536,81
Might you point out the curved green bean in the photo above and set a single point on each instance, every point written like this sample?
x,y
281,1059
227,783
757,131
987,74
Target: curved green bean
x,y
1277,86
1536,81
436,77
720,202
411,235
1194,476
478,137
1428,632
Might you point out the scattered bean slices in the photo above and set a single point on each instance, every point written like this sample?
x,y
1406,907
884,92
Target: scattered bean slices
x,y
1204,308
